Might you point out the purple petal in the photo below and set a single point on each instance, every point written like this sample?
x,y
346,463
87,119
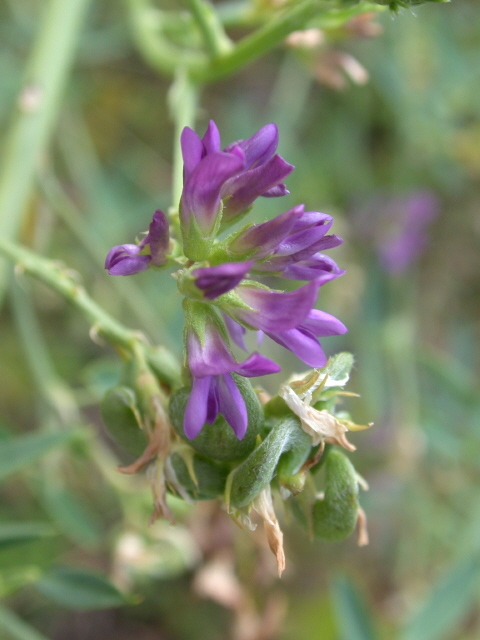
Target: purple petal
x,y
261,146
232,405
213,357
273,310
264,238
215,281
192,150
236,331
321,323
158,238
278,191
196,409
247,186
211,139
327,242
201,194
124,260
257,365
303,344
212,401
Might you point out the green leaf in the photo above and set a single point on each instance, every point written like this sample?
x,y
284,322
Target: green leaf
x,y
353,620
19,452
73,517
79,589
15,533
449,602
16,628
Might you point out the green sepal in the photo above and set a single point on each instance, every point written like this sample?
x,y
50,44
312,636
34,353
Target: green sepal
x,y
207,483
218,441
122,419
196,245
258,470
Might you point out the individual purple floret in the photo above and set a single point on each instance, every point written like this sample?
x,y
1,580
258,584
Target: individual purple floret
x,y
213,388
127,259
290,245
215,281
124,260
269,310
237,175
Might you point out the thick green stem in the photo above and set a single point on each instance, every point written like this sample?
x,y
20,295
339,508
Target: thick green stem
x,y
38,105
103,325
215,38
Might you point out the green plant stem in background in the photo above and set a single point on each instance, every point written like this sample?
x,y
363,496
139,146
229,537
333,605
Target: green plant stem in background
x,y
103,325
261,41
39,102
183,98
216,40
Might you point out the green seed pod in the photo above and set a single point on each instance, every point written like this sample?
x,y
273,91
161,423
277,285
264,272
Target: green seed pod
x,y
217,440
207,483
122,420
334,517
257,471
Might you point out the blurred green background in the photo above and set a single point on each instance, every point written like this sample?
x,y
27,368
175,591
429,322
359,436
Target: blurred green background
x,y
365,153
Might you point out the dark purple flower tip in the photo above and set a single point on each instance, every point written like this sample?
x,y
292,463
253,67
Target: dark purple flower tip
x,y
302,340
318,266
274,310
158,238
244,188
263,239
124,260
201,194
278,191
309,228
215,281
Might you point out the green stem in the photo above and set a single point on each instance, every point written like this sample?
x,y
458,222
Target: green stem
x,y
216,40
260,42
146,24
60,280
39,102
183,98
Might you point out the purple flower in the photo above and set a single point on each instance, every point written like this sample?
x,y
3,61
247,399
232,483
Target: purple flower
x,y
302,340
397,227
124,260
237,175
215,281
289,245
127,259
213,388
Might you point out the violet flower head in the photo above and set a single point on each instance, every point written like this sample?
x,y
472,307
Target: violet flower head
x,y
213,388
128,259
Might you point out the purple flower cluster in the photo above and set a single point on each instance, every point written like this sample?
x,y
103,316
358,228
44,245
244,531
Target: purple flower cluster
x,y
220,186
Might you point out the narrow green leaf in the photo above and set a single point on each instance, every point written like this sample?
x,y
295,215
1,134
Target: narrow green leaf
x,y
353,620
447,604
16,628
79,589
19,452
14,533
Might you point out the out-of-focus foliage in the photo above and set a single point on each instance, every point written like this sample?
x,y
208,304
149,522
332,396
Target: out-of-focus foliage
x,y
363,153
